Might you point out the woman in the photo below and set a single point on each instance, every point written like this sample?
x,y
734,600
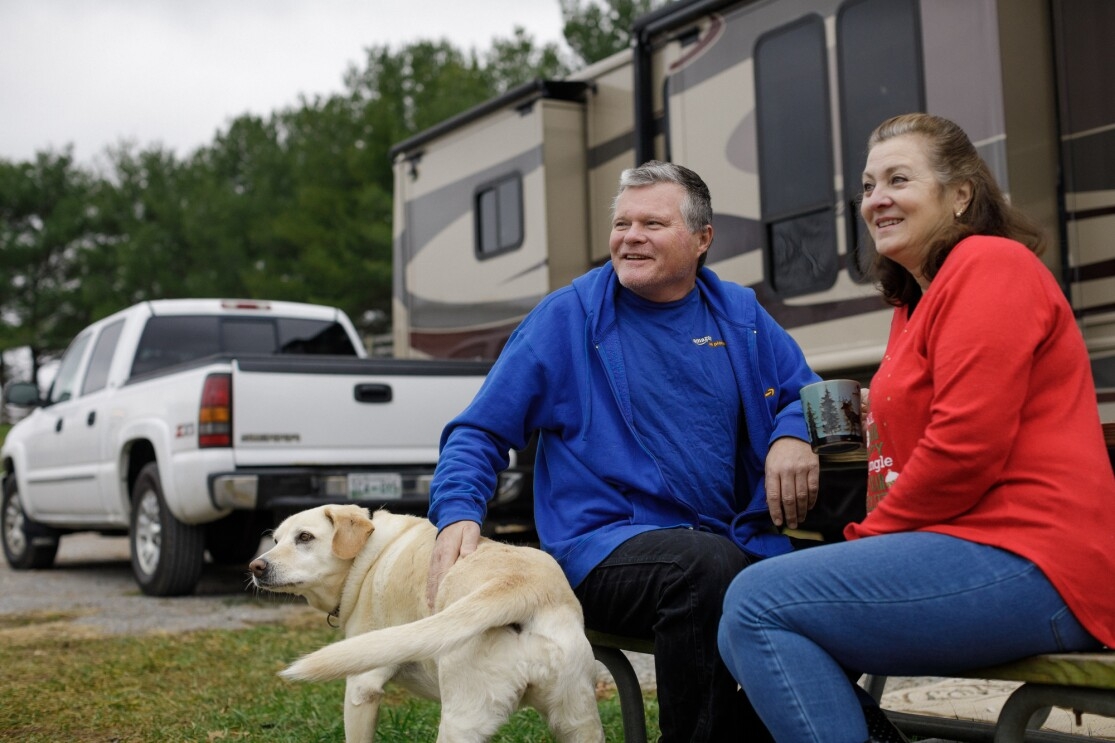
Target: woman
x,y
991,527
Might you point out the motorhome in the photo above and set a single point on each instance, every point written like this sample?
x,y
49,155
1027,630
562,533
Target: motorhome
x,y
771,101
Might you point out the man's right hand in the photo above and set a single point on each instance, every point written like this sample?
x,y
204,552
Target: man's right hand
x,y
455,541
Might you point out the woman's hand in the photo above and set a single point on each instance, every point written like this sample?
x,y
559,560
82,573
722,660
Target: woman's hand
x,y
864,409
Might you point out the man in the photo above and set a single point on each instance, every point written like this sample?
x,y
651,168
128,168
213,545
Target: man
x,y
671,444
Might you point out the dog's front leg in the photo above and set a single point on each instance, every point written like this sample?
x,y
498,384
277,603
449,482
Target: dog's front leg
x,y
363,694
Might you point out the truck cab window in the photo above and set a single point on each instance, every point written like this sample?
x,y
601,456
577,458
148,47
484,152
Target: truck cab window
x,y
499,216
65,381
249,335
96,377
313,337
175,339
796,172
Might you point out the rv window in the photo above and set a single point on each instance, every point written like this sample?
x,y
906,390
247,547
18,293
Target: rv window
x,y
499,216
796,172
868,31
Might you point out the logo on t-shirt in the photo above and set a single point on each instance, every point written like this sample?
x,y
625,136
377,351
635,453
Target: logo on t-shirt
x,y
708,341
880,467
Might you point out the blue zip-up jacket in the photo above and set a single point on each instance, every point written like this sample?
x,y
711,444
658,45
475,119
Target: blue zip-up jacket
x,y
562,373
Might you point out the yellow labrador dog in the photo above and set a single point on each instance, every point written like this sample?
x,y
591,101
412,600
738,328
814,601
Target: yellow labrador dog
x,y
506,629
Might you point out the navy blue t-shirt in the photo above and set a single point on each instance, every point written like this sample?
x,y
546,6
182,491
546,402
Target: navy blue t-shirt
x,y
685,402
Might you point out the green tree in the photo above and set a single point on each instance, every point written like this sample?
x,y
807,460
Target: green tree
x,y
323,246
48,226
237,188
296,205
143,201
397,94
516,60
595,29
409,90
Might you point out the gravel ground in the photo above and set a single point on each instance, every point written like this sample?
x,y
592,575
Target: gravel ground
x,y
91,591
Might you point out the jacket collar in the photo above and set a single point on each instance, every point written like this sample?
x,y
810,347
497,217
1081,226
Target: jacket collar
x,y
597,289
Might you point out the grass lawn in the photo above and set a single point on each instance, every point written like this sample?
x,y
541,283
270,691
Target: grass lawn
x,y
201,686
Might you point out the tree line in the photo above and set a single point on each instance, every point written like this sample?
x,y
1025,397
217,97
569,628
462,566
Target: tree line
x,y
291,206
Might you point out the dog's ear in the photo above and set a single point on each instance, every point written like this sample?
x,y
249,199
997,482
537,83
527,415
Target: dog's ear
x,y
351,528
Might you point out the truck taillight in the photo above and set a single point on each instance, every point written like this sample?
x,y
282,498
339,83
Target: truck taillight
x,y
214,419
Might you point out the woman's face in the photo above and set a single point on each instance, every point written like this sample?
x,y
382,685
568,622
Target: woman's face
x,y
903,204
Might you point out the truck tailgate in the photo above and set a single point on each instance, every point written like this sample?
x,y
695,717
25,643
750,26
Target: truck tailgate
x,y
295,410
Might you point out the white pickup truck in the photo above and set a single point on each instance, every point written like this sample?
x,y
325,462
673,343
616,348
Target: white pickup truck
x,y
192,425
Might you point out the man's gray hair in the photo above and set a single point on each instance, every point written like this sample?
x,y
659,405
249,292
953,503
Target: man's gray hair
x,y
696,207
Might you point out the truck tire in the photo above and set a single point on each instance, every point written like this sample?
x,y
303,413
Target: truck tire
x,y
234,540
28,545
167,555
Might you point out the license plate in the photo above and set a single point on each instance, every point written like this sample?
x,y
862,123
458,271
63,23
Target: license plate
x,y
375,486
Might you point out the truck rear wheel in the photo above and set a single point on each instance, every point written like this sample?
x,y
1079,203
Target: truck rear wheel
x,y
28,545
167,555
234,540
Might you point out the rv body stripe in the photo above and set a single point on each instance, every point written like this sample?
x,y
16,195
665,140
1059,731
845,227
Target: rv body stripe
x,y
527,271
1102,309
611,149
1080,214
792,316
443,206
431,315
733,236
1094,271
725,53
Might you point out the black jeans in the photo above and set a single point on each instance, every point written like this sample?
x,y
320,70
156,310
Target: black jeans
x,y
668,586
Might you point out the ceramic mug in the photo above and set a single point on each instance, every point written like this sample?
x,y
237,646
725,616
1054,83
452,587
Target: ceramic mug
x,y
832,414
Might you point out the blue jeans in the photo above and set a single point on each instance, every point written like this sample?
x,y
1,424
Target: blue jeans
x,y
797,630
668,586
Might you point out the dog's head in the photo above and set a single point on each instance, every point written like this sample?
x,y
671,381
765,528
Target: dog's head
x,y
313,553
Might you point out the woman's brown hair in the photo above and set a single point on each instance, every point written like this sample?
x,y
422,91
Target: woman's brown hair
x,y
954,160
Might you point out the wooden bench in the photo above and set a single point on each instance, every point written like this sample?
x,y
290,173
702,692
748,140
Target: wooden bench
x,y
1083,682
608,649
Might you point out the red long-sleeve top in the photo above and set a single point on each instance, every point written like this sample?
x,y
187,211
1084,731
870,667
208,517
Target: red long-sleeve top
x,y
983,425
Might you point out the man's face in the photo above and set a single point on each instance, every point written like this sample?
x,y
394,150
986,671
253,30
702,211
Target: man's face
x,y
653,252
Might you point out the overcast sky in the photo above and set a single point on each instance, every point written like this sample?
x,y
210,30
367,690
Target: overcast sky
x,y
92,73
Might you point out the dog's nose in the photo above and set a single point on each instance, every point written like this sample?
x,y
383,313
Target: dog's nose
x,y
258,567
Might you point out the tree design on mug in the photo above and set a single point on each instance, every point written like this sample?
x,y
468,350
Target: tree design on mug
x,y
830,414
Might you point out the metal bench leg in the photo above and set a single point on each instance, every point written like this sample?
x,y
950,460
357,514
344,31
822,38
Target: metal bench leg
x,y
629,691
1031,698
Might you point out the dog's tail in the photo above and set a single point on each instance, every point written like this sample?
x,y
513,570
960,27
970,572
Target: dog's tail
x,y
494,604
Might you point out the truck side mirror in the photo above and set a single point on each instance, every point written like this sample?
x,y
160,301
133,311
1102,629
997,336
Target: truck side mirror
x,y
23,395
